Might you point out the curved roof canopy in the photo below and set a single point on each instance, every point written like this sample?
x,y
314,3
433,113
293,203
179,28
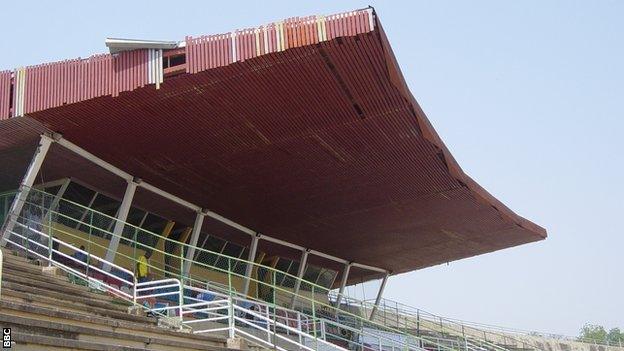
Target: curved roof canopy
x,y
304,130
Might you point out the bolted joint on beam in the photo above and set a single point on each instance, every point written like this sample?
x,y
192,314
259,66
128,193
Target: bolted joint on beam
x,y
56,137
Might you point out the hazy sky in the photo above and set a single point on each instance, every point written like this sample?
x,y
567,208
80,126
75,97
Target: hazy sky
x,y
527,95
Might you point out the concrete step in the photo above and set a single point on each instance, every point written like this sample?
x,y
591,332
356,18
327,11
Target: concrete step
x,y
27,289
32,342
73,290
86,333
32,268
55,315
29,269
68,304
47,312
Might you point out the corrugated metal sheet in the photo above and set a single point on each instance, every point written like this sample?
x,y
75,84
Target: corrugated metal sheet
x,y
212,51
131,70
55,84
51,85
321,145
5,94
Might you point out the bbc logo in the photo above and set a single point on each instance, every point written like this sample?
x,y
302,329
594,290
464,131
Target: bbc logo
x,y
6,338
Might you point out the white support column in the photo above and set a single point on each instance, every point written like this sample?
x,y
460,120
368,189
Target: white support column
x,y
300,272
343,283
122,216
190,253
379,294
27,183
117,171
250,258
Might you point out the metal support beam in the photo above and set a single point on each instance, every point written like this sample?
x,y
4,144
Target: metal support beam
x,y
109,167
343,284
379,294
50,184
120,223
86,210
190,253
251,258
302,267
25,185
91,157
202,245
60,193
58,196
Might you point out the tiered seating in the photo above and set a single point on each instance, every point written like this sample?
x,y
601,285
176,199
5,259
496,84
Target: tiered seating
x,y
48,312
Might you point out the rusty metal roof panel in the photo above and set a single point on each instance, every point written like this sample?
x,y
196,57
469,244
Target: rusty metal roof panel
x,y
304,130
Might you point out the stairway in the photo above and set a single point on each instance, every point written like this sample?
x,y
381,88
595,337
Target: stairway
x,y
47,312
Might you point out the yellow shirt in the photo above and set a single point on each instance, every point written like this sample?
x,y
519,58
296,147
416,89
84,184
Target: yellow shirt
x,y
143,268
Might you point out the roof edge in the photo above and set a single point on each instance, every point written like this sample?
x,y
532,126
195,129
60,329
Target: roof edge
x,y
398,80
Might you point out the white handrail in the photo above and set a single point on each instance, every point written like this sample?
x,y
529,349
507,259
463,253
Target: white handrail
x,y
274,322
232,303
67,268
282,318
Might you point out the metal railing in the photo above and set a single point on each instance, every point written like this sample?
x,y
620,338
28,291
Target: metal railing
x,y
277,327
422,322
257,322
45,214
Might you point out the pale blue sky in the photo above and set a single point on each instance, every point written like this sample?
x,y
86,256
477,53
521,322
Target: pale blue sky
x,y
527,95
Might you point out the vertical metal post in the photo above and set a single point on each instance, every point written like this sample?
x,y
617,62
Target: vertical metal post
x,y
250,261
274,310
396,303
273,285
299,327
134,289
89,244
313,312
229,276
180,301
26,184
343,283
302,266
182,275
465,338
134,252
268,325
50,239
385,315
120,222
231,301
190,253
379,295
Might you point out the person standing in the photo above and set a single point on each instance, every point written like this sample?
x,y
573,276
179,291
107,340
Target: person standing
x,y
143,267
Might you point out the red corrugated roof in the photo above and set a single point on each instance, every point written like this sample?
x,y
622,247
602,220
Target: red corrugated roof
x,y
320,144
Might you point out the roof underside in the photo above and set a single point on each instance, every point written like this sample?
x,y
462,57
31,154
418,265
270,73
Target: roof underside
x,y
320,145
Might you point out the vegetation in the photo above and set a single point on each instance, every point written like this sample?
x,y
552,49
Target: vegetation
x,y
597,333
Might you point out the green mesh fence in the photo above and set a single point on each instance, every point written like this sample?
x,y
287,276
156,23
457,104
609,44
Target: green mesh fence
x,y
82,226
